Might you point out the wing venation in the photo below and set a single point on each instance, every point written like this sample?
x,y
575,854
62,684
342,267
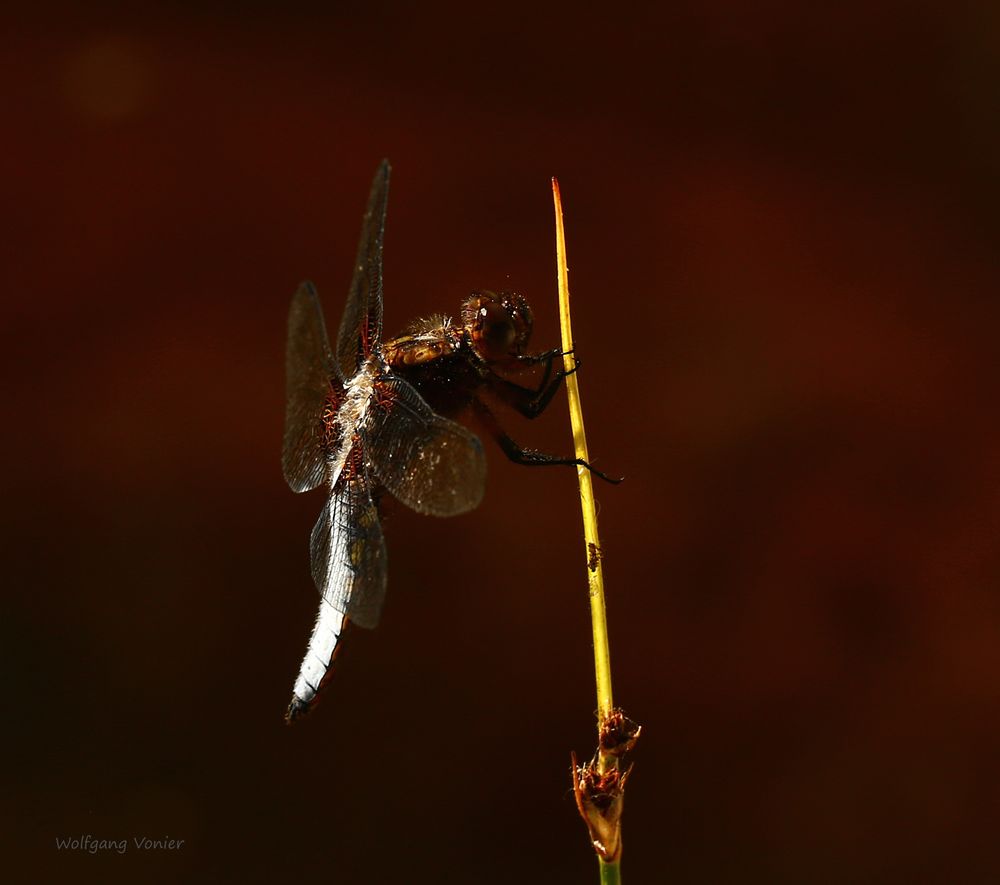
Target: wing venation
x,y
361,326
347,551
431,464
309,372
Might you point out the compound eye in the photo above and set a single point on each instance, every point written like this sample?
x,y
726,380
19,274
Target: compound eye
x,y
496,331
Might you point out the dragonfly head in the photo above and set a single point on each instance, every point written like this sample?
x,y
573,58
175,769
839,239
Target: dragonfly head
x,y
498,324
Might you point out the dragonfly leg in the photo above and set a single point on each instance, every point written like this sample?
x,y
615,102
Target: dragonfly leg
x,y
547,357
530,403
528,457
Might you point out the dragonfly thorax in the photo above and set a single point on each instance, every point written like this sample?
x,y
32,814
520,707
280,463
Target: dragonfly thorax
x,y
351,414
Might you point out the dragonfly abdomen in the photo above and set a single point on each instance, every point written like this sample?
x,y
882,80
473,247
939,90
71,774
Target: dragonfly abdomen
x,y
319,656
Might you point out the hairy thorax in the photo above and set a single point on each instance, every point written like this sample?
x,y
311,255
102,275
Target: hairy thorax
x,y
343,413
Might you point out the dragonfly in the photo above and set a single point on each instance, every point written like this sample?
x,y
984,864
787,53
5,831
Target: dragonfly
x,y
366,417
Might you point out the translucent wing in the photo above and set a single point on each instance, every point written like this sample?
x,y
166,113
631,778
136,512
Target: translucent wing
x,y
429,463
361,326
348,552
309,367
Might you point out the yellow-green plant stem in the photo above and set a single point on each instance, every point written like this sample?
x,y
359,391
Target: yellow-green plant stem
x,y
595,568
610,871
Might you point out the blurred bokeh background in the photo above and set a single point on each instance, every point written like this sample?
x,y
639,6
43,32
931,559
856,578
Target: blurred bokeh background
x,y
782,224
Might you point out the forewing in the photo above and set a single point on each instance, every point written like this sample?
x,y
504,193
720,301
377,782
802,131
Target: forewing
x,y
348,552
361,325
309,368
429,463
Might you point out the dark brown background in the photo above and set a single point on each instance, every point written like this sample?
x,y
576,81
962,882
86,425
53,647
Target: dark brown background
x,y
782,229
